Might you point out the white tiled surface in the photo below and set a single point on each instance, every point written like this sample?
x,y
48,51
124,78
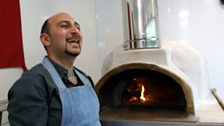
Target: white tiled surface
x,y
211,112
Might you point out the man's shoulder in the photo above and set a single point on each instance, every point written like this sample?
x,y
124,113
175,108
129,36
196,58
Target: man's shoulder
x,y
35,74
37,70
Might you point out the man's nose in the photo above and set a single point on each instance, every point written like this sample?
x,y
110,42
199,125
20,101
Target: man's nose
x,y
74,29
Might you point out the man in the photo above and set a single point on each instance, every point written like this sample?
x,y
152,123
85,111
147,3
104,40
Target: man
x,y
55,93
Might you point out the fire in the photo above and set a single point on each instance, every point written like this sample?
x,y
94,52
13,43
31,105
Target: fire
x,y
142,97
137,92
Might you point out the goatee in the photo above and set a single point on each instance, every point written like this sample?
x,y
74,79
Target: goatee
x,y
74,54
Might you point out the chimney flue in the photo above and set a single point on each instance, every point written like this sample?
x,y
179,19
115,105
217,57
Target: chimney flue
x,y
140,19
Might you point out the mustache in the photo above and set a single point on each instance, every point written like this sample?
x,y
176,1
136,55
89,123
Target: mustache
x,y
74,39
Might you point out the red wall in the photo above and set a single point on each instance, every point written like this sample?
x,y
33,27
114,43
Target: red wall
x,y
11,49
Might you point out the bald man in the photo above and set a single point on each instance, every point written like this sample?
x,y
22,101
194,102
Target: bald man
x,y
54,92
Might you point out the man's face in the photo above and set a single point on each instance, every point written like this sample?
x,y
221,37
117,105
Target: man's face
x,y
64,35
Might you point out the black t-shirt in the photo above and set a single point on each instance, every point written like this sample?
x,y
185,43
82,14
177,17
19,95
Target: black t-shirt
x,y
63,73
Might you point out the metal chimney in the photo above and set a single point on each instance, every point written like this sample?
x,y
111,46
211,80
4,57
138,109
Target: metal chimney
x,y
140,18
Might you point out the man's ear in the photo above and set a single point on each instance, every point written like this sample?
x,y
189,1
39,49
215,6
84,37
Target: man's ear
x,y
44,38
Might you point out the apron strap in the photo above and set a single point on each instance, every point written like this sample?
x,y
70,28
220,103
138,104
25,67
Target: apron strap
x,y
55,76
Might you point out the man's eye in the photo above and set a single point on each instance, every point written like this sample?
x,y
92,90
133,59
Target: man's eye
x,y
77,25
78,28
64,25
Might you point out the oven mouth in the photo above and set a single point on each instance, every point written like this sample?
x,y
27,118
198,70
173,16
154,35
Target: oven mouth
x,y
143,88
167,96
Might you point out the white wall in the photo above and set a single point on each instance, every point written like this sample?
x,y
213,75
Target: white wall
x,y
199,22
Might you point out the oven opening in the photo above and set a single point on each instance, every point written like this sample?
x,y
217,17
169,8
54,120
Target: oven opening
x,y
142,94
144,89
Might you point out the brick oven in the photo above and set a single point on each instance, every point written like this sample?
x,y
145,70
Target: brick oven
x,y
145,85
145,80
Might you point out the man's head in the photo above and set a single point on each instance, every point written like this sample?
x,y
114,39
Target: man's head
x,y
61,36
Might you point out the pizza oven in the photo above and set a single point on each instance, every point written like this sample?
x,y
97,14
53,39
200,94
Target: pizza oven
x,y
146,80
145,85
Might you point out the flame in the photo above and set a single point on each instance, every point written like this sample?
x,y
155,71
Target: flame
x,y
133,98
142,97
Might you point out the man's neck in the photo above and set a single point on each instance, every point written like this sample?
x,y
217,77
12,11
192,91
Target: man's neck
x,y
67,63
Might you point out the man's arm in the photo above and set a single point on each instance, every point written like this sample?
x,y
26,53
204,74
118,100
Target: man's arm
x,y
28,104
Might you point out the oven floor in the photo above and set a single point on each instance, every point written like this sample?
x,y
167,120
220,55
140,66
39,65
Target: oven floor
x,y
209,114
153,123
141,114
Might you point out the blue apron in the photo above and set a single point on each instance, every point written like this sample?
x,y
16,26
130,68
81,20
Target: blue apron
x,y
80,105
